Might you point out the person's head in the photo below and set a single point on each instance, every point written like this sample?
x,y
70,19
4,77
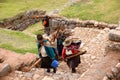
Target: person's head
x,y
40,38
67,42
46,17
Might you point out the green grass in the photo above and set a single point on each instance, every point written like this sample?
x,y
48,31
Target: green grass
x,y
9,8
101,10
17,41
35,29
22,42
18,50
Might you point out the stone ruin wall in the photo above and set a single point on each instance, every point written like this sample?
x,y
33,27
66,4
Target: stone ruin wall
x,y
72,23
23,20
114,74
114,45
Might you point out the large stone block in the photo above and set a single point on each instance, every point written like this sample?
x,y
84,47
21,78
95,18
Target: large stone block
x,y
114,46
114,35
5,70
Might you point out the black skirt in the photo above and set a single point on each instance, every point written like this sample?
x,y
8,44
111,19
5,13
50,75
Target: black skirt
x,y
74,62
46,62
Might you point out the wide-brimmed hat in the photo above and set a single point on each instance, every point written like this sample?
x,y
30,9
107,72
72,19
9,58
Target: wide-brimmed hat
x,y
76,41
67,42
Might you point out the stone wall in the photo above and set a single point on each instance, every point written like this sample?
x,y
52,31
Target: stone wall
x,y
114,74
114,45
114,40
72,23
22,21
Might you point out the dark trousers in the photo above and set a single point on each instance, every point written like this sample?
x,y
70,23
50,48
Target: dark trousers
x,y
59,48
46,62
47,30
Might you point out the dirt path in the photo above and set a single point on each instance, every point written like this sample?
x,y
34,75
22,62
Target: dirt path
x,y
15,59
98,71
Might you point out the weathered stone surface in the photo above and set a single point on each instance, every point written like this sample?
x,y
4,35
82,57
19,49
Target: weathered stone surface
x,y
118,65
28,75
21,21
5,70
114,74
95,49
47,78
113,46
24,78
112,26
16,61
36,76
118,28
114,35
105,78
101,67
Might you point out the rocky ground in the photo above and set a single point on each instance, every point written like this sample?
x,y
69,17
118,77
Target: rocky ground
x,y
96,58
96,62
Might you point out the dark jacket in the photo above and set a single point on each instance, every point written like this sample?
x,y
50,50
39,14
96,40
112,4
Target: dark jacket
x,y
47,20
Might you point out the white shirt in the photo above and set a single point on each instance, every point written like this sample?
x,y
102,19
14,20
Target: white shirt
x,y
43,52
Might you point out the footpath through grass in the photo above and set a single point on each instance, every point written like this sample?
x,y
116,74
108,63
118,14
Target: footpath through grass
x,y
100,10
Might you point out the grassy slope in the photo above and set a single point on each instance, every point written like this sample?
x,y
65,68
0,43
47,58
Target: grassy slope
x,y
35,29
10,8
101,10
18,41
